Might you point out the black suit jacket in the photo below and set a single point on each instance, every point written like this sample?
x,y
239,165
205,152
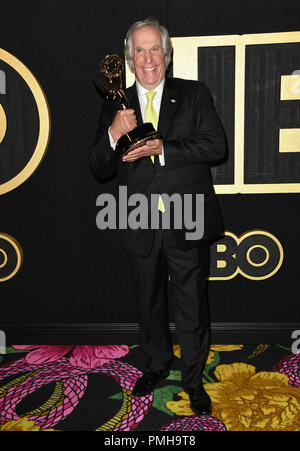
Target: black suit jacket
x,y
193,139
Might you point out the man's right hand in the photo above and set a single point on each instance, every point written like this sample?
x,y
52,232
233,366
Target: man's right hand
x,y
124,121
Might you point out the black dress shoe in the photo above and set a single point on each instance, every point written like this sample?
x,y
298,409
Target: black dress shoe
x,y
199,399
146,384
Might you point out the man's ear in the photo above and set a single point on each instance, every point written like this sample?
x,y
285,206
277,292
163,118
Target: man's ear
x,y
132,68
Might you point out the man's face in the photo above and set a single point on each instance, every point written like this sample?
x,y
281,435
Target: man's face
x,y
148,57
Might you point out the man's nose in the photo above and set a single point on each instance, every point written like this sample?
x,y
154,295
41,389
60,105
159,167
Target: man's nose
x,y
148,56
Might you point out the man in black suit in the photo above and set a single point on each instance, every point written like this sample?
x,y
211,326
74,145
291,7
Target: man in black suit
x,y
192,139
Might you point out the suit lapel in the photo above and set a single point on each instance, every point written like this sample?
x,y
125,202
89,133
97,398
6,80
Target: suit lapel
x,y
132,97
168,108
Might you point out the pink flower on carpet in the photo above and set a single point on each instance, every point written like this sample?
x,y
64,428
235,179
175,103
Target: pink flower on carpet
x,y
85,356
290,366
195,423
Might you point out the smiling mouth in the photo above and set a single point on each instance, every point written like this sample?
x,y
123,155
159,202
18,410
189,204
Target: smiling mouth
x,y
150,69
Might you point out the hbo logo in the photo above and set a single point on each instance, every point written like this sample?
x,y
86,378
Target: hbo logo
x,y
256,255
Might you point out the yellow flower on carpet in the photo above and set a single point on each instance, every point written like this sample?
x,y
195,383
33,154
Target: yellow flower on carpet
x,y
23,424
248,401
177,351
210,358
226,347
181,407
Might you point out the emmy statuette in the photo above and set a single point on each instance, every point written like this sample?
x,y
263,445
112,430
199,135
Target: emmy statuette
x,y
111,68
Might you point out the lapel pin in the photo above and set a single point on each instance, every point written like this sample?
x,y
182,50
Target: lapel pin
x,y
173,100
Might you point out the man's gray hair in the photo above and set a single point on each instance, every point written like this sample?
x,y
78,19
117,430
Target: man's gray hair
x,y
166,42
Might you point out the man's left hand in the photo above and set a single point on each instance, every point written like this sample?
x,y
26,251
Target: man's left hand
x,y
152,147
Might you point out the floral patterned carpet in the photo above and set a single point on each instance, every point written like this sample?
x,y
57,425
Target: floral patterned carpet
x,y
88,388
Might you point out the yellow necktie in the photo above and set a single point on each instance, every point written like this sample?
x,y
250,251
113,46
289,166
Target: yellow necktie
x,y
151,116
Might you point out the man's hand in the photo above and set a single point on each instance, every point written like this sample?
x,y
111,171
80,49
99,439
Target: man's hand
x,y
123,122
152,147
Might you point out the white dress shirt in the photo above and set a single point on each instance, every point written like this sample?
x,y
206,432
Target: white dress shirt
x,y
142,95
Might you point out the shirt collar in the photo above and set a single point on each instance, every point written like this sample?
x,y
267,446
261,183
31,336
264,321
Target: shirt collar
x,y
141,90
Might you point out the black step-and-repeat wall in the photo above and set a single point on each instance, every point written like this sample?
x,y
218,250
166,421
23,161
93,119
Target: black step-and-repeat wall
x,y
61,278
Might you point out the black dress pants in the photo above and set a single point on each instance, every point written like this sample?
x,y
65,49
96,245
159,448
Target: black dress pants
x,y
188,271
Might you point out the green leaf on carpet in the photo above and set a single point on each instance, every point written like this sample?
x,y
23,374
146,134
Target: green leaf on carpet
x,y
162,395
206,377
116,396
175,375
10,350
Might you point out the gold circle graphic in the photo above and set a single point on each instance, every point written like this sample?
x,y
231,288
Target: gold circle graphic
x,y
5,258
3,123
257,264
281,253
44,121
18,250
